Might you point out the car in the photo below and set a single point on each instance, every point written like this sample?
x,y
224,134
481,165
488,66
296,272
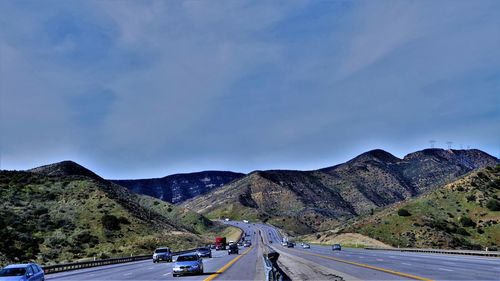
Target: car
x,y
336,247
212,246
22,272
204,252
306,246
187,264
245,221
290,245
233,249
247,244
162,254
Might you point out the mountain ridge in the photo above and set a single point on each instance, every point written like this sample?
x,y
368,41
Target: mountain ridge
x,y
321,199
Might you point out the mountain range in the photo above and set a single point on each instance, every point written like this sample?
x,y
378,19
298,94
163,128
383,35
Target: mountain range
x,y
64,212
309,201
180,187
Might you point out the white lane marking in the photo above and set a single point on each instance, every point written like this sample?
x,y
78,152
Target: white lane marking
x,y
166,274
392,257
444,269
150,267
405,263
126,274
380,260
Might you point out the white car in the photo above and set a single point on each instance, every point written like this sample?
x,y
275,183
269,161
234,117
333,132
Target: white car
x,y
245,221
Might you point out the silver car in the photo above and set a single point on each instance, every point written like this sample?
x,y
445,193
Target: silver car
x,y
306,246
188,264
162,254
22,272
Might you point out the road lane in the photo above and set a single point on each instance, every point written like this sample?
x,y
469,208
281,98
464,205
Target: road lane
x,y
432,266
144,270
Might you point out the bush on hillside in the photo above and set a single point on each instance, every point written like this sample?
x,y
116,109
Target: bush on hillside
x,y
467,222
403,213
493,205
110,222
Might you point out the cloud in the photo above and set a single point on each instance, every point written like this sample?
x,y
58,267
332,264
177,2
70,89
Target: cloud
x,y
135,89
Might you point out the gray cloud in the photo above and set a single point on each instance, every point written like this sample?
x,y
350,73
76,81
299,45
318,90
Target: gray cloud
x,y
135,89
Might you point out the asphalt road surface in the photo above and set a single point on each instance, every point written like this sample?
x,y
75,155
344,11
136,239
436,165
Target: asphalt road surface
x,y
390,265
221,266
352,264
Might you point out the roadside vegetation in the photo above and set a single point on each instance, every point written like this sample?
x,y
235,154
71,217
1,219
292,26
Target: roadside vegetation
x,y
464,214
54,219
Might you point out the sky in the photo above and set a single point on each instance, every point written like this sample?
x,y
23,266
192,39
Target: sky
x,y
137,89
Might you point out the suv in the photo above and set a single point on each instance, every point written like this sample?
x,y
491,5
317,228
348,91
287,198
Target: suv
x,y
336,247
22,272
233,249
162,254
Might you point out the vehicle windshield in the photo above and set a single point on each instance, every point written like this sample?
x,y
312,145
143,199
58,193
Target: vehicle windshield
x,y
187,258
12,272
162,251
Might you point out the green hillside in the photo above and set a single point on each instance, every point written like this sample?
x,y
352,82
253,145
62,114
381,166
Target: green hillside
x,y
62,218
464,214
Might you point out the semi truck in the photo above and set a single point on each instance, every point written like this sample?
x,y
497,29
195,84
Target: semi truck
x,y
220,243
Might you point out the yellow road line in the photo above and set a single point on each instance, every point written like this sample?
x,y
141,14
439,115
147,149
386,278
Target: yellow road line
x,y
225,267
367,266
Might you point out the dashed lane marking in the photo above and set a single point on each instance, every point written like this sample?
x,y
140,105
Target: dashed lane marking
x,y
402,274
444,269
225,267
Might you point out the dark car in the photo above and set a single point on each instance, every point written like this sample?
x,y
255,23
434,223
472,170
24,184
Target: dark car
x,y
233,249
290,244
162,254
22,272
247,244
204,253
336,247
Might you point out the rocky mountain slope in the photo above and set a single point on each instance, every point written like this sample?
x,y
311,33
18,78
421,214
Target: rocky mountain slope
x,y
180,187
309,201
64,212
463,214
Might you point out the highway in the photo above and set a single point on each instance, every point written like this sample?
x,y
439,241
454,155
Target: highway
x,y
351,264
390,265
221,266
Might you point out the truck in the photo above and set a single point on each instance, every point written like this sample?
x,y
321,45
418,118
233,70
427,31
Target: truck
x,y
220,243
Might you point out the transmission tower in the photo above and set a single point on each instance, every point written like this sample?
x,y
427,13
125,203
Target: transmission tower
x,y
432,142
449,143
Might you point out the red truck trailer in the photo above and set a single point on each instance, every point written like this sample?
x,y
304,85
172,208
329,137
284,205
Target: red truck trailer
x,y
220,243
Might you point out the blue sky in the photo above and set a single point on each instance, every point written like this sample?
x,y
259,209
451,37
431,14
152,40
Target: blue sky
x,y
135,89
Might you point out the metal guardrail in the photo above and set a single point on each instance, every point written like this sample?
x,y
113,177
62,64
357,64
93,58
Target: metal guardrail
x,y
270,259
435,251
48,269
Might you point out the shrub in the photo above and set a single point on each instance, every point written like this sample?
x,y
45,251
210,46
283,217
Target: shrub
x,y
110,222
463,232
471,198
467,222
493,205
403,213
